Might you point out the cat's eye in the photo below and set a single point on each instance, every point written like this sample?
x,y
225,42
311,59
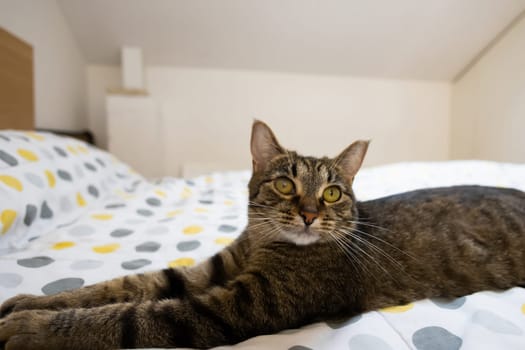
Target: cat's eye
x,y
284,185
331,194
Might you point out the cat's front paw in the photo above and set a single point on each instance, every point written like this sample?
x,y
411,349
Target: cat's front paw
x,y
18,303
26,330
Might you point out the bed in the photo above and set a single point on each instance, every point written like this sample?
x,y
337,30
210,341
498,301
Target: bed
x,y
73,215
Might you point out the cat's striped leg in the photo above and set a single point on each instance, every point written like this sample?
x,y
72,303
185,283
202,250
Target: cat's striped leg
x,y
248,306
164,284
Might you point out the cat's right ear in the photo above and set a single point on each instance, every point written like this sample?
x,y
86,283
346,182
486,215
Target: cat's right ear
x,y
264,146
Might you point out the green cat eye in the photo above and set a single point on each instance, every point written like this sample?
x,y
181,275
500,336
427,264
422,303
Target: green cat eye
x,y
331,194
284,185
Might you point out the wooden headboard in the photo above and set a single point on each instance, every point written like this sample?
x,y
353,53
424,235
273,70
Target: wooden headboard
x,y
17,110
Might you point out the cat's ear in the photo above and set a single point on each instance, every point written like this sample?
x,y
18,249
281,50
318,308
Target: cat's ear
x,y
351,158
264,146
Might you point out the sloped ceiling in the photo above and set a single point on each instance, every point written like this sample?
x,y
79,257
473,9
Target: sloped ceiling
x,y
407,39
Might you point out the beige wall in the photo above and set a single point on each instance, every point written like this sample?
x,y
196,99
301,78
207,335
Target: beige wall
x,y
60,83
207,114
488,103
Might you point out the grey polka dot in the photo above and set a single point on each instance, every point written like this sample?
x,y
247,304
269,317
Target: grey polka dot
x,y
93,191
115,206
158,230
451,304
66,205
148,247
435,338
35,180
227,228
495,323
86,265
135,264
166,220
135,221
99,161
79,171
30,216
121,232
5,138
60,151
90,166
10,280
299,347
46,153
45,211
81,231
144,212
64,175
367,342
7,158
62,285
203,201
154,202
188,245
190,183
35,262
343,323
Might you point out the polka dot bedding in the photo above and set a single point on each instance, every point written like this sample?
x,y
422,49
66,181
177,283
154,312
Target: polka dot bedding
x,y
72,215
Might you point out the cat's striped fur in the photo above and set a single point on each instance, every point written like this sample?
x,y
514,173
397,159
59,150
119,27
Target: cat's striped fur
x,y
303,257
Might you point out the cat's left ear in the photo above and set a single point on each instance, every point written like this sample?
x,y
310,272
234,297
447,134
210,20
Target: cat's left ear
x,y
351,158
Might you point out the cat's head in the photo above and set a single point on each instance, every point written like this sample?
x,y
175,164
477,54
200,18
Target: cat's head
x,y
301,199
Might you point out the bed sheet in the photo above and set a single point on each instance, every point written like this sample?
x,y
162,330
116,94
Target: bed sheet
x,y
177,222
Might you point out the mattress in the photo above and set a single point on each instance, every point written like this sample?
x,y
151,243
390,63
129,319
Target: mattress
x,y
72,215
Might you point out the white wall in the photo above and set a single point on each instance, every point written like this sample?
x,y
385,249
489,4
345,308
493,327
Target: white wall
x,y
59,66
207,115
488,103
99,79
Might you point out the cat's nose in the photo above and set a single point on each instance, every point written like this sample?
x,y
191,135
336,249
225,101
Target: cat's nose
x,y
309,217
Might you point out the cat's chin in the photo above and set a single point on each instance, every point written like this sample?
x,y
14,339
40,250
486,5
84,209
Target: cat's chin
x,y
302,236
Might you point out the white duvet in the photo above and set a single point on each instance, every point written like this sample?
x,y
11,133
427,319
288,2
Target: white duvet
x,y
72,215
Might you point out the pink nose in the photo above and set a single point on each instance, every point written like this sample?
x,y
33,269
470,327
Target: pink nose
x,y
309,217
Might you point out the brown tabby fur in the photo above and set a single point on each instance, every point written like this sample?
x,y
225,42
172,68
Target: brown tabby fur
x,y
299,260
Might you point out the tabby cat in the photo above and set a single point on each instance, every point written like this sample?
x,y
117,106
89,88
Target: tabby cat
x,y
310,252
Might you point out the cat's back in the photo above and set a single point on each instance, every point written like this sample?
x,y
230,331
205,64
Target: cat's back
x,y
468,238
434,205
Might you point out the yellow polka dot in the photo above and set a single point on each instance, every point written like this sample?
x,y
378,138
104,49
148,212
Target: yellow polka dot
x,y
224,240
192,230
160,193
523,309
201,210
107,248
186,193
82,149
124,195
12,182
7,218
228,202
80,200
63,245
398,309
35,136
102,217
181,262
27,155
51,180
72,149
174,213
